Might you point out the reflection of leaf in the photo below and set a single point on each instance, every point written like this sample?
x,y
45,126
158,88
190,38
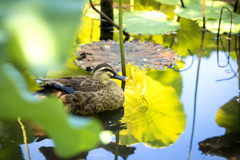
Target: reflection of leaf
x,y
11,152
225,146
228,115
49,113
188,34
153,113
147,23
11,137
12,131
142,54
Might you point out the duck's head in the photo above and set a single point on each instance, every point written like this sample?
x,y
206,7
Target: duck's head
x,y
103,72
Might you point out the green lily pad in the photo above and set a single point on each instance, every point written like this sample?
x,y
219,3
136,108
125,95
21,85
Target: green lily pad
x,y
228,115
153,117
163,77
147,23
194,11
174,2
70,134
91,13
212,25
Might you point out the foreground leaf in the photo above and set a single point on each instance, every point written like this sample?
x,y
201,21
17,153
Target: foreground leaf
x,y
41,30
71,134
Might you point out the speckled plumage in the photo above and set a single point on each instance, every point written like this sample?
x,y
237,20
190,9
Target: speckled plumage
x,y
85,94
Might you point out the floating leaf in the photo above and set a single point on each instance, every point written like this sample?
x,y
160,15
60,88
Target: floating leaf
x,y
91,13
194,11
175,2
212,25
228,115
147,23
18,102
153,113
142,54
163,76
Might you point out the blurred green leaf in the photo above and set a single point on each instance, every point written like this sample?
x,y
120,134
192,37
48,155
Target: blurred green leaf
x,y
42,30
147,23
71,134
69,69
228,115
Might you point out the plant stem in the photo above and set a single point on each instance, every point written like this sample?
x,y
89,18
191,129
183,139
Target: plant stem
x,y
24,137
107,18
204,25
235,6
121,39
117,146
182,4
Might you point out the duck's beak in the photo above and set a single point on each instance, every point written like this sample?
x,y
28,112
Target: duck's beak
x,y
116,76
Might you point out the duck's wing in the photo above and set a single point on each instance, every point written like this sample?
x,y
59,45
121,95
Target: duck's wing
x,y
73,84
78,93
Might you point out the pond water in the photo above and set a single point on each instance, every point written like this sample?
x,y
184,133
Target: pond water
x,y
159,125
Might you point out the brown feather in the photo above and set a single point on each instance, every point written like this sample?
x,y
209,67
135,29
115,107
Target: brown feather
x,y
91,96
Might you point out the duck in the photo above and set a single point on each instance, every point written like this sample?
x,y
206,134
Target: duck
x,y
85,94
